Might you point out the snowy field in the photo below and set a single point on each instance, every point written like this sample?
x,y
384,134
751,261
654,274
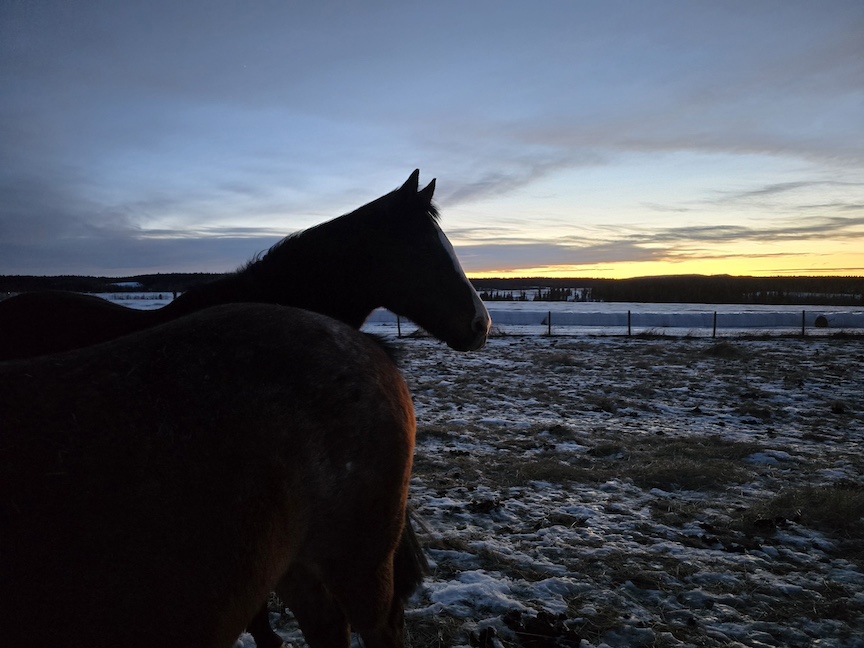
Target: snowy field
x,y
594,318
645,491
638,492
599,318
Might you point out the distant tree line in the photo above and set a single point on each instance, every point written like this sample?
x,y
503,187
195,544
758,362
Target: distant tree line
x,y
501,295
715,289
172,282
538,294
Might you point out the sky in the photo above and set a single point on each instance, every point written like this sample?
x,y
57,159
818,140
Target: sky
x,y
603,138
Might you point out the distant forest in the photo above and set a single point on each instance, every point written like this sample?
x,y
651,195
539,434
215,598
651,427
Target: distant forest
x,y
176,282
697,289
717,289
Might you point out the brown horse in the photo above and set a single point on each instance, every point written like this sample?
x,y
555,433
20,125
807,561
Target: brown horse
x,y
155,488
389,253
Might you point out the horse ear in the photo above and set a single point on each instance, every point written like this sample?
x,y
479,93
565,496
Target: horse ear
x,y
426,193
412,182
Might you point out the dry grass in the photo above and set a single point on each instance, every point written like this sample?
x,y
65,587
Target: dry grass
x,y
690,464
552,468
725,350
427,632
836,510
650,462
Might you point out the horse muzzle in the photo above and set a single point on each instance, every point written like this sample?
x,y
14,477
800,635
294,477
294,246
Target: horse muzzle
x,y
480,327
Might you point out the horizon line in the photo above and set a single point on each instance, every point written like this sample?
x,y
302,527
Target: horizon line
x,y
473,276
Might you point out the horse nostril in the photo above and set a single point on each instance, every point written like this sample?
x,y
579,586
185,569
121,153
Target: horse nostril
x,y
480,325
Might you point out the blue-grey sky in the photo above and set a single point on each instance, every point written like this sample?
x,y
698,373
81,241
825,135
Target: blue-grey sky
x,y
604,138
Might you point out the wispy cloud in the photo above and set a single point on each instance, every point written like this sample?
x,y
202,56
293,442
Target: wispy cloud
x,y
126,255
534,255
785,188
820,228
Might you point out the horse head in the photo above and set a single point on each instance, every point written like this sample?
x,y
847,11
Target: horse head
x,y
388,253
424,280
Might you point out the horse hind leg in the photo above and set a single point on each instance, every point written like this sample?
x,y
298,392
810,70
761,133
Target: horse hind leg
x,y
319,615
262,633
345,599
409,568
390,634
370,604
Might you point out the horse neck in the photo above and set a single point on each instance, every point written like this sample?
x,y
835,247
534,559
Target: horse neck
x,y
296,274
321,270
221,291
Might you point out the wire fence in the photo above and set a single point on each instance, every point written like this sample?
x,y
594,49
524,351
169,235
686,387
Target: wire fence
x,y
708,323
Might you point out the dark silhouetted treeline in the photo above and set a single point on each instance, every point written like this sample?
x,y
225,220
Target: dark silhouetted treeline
x,y
716,289
173,282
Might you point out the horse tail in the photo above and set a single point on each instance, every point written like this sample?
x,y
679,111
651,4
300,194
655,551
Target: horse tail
x,y
409,562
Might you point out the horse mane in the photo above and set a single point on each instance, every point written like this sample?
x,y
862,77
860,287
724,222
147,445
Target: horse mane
x,y
427,211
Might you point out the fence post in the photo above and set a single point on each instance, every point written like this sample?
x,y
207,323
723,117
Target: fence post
x,y
714,334
803,323
549,322
399,326
628,323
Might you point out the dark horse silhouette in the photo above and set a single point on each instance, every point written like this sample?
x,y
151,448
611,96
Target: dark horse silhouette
x,y
155,488
389,253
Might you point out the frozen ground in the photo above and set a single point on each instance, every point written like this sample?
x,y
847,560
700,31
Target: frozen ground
x,y
666,491
638,492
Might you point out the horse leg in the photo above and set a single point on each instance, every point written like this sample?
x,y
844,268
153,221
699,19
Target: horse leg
x,y
389,635
319,614
367,597
262,633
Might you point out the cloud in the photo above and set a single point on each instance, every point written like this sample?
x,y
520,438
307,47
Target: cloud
x,y
779,188
821,228
667,208
48,227
503,256
125,255
50,206
785,188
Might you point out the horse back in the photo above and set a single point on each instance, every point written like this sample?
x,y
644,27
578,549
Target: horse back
x,y
159,485
39,323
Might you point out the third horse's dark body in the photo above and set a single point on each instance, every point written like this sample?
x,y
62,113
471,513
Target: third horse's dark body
x,y
155,488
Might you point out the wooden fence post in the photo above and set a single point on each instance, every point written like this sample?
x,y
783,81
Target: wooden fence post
x,y
628,323
399,326
714,334
803,323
